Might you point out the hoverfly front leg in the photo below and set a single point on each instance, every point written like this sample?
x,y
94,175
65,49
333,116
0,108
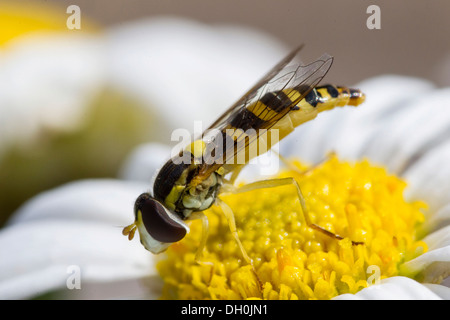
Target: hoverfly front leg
x,y
232,225
205,229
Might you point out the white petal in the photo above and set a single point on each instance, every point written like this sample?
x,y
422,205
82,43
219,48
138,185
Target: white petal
x,y
399,288
429,177
438,239
418,130
144,162
107,201
437,219
77,224
187,70
440,290
38,256
434,265
60,75
367,131
354,132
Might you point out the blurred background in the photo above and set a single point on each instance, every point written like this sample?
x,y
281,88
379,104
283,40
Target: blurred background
x,y
75,102
413,39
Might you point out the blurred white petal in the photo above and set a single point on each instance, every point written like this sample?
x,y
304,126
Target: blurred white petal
x,y
59,74
441,290
399,288
104,201
168,63
40,254
367,129
357,132
77,224
420,127
429,177
183,65
144,162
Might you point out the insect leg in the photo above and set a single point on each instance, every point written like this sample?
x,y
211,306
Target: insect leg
x,y
272,183
329,156
205,231
232,225
287,163
294,168
234,174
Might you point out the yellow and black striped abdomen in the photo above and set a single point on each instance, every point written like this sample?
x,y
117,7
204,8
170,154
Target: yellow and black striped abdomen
x,y
243,136
334,96
277,110
317,100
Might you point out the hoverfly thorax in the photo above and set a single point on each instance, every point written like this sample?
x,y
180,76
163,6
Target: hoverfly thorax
x,y
175,188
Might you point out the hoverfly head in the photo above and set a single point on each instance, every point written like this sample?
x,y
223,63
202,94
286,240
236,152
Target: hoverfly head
x,y
158,227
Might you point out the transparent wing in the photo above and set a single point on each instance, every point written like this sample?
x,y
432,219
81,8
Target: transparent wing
x,y
260,108
253,92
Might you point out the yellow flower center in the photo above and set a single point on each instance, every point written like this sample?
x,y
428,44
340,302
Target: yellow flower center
x,y
290,260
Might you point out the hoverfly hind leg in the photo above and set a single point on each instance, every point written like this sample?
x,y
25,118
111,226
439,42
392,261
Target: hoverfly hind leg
x,y
272,183
288,164
330,155
291,166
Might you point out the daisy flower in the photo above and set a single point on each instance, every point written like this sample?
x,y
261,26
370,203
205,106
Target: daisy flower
x,y
401,227
387,186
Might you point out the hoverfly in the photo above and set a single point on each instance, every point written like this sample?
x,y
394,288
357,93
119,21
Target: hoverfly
x,y
284,98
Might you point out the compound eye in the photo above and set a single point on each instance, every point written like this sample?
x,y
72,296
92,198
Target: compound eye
x,y
159,222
